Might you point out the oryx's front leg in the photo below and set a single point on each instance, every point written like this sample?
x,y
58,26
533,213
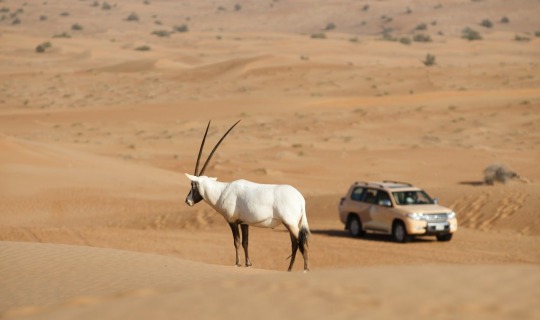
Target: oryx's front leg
x,y
236,237
245,237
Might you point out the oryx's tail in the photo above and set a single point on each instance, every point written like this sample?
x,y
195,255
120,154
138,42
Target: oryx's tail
x,y
303,235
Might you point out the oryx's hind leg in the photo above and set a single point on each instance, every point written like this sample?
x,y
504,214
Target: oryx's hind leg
x,y
236,237
245,240
294,247
294,244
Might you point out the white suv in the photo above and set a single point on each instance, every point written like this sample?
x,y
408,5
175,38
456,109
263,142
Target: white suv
x,y
395,208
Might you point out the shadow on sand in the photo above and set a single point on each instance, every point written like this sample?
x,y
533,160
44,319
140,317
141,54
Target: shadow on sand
x,y
378,237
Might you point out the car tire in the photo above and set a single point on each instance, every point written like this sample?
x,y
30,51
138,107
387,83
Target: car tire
x,y
444,237
355,226
399,233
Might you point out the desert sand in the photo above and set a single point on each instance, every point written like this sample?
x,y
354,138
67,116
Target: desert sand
x,y
97,131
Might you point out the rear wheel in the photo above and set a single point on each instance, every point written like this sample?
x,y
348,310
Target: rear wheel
x,y
399,233
355,226
445,237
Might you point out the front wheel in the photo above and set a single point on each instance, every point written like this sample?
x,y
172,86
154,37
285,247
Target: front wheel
x,y
445,237
399,233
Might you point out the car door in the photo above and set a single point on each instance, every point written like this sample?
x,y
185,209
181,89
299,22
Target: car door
x,y
369,199
381,212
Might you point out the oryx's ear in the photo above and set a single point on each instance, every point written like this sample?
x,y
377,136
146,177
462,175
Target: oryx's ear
x,y
192,178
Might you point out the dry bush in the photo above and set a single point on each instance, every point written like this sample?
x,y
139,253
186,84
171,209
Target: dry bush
x,y
498,173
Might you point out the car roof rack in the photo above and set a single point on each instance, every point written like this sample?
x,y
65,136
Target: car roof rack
x,y
369,184
398,182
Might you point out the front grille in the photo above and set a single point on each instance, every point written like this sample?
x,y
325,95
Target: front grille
x,y
436,217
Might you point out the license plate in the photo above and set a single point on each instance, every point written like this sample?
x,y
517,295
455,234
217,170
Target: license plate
x,y
439,226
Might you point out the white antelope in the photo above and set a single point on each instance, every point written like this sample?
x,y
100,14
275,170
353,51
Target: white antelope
x,y
246,203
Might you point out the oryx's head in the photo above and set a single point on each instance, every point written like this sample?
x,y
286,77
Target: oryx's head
x,y
194,196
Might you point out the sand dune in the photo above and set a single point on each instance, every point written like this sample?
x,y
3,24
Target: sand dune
x,y
97,131
67,282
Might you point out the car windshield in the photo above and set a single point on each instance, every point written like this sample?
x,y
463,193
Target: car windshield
x,y
404,198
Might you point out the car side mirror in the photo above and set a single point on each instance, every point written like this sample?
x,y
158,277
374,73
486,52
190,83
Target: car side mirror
x,y
436,200
385,203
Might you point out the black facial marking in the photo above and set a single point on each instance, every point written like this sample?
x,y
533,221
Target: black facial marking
x,y
195,195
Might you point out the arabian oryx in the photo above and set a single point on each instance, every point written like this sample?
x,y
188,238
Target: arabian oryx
x,y
245,203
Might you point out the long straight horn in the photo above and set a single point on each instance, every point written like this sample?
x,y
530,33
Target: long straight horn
x,y
215,148
201,149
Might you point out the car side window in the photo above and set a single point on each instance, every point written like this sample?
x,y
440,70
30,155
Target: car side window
x,y
357,194
371,196
383,196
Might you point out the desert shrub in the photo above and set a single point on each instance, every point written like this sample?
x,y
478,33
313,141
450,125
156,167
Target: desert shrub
x,y
237,7
43,46
518,37
106,6
133,17
143,48
42,18
537,34
161,33
365,7
429,60
421,26
16,21
320,35
330,26
147,2
470,34
181,28
486,23
4,9
422,37
95,4
387,34
405,40
76,27
62,35
408,10
498,173
505,20
64,14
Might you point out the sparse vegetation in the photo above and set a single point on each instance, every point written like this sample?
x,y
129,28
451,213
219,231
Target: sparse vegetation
x,y
181,28
95,4
521,38
320,35
133,17
429,60
505,20
16,21
42,18
470,34
405,40
76,27
237,7
161,33
330,26
422,37
62,35
486,23
537,34
43,46
64,14
498,173
421,26
365,7
106,6
143,48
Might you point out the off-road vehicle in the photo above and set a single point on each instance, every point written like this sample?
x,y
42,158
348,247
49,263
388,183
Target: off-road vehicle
x,y
396,208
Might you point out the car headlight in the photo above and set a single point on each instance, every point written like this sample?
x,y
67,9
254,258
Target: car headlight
x,y
416,216
451,215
